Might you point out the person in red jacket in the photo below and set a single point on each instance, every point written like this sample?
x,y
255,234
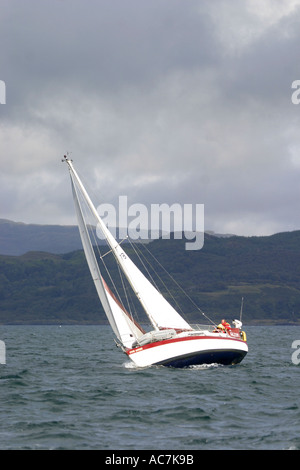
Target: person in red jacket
x,y
226,325
222,327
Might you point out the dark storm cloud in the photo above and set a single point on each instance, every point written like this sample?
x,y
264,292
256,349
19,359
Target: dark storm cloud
x,y
163,101
102,43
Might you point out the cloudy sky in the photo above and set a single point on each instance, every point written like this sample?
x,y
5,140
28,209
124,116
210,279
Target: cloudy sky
x,y
163,101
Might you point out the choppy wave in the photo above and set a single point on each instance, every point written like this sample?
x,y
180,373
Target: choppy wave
x,y
69,388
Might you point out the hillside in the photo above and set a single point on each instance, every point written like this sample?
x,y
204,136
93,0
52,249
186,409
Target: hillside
x,y
39,287
17,238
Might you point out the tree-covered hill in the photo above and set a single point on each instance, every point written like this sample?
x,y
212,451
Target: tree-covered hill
x,y
39,287
16,238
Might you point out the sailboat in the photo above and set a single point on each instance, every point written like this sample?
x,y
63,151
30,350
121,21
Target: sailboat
x,y
171,341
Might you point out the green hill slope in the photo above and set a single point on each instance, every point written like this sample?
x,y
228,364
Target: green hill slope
x,y
16,238
45,288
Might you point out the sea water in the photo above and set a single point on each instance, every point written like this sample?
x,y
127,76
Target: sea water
x,y
69,387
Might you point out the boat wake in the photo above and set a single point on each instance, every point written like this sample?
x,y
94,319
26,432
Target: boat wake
x,y
214,365
132,366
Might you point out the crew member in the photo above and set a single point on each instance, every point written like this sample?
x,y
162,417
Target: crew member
x,y
226,325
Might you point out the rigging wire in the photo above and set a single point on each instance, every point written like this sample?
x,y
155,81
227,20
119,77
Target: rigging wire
x,y
140,254
88,213
128,293
91,231
178,285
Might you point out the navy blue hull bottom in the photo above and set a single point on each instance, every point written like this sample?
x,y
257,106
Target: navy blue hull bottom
x,y
226,357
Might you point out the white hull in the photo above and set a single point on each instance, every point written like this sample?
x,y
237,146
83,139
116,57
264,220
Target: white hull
x,y
186,351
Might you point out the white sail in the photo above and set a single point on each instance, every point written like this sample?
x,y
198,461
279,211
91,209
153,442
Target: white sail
x,y
130,330
124,328
160,312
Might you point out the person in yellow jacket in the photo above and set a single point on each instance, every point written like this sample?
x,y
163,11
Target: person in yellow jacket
x,y
223,326
226,325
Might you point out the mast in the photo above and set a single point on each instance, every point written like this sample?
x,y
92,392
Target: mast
x,y
158,310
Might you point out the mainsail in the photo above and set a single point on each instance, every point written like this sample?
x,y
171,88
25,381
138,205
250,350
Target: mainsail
x,y
125,329
161,314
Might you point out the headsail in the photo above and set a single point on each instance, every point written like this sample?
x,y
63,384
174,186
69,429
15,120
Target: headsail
x,y
160,312
158,309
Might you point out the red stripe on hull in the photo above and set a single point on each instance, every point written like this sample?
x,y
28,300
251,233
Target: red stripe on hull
x,y
176,340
